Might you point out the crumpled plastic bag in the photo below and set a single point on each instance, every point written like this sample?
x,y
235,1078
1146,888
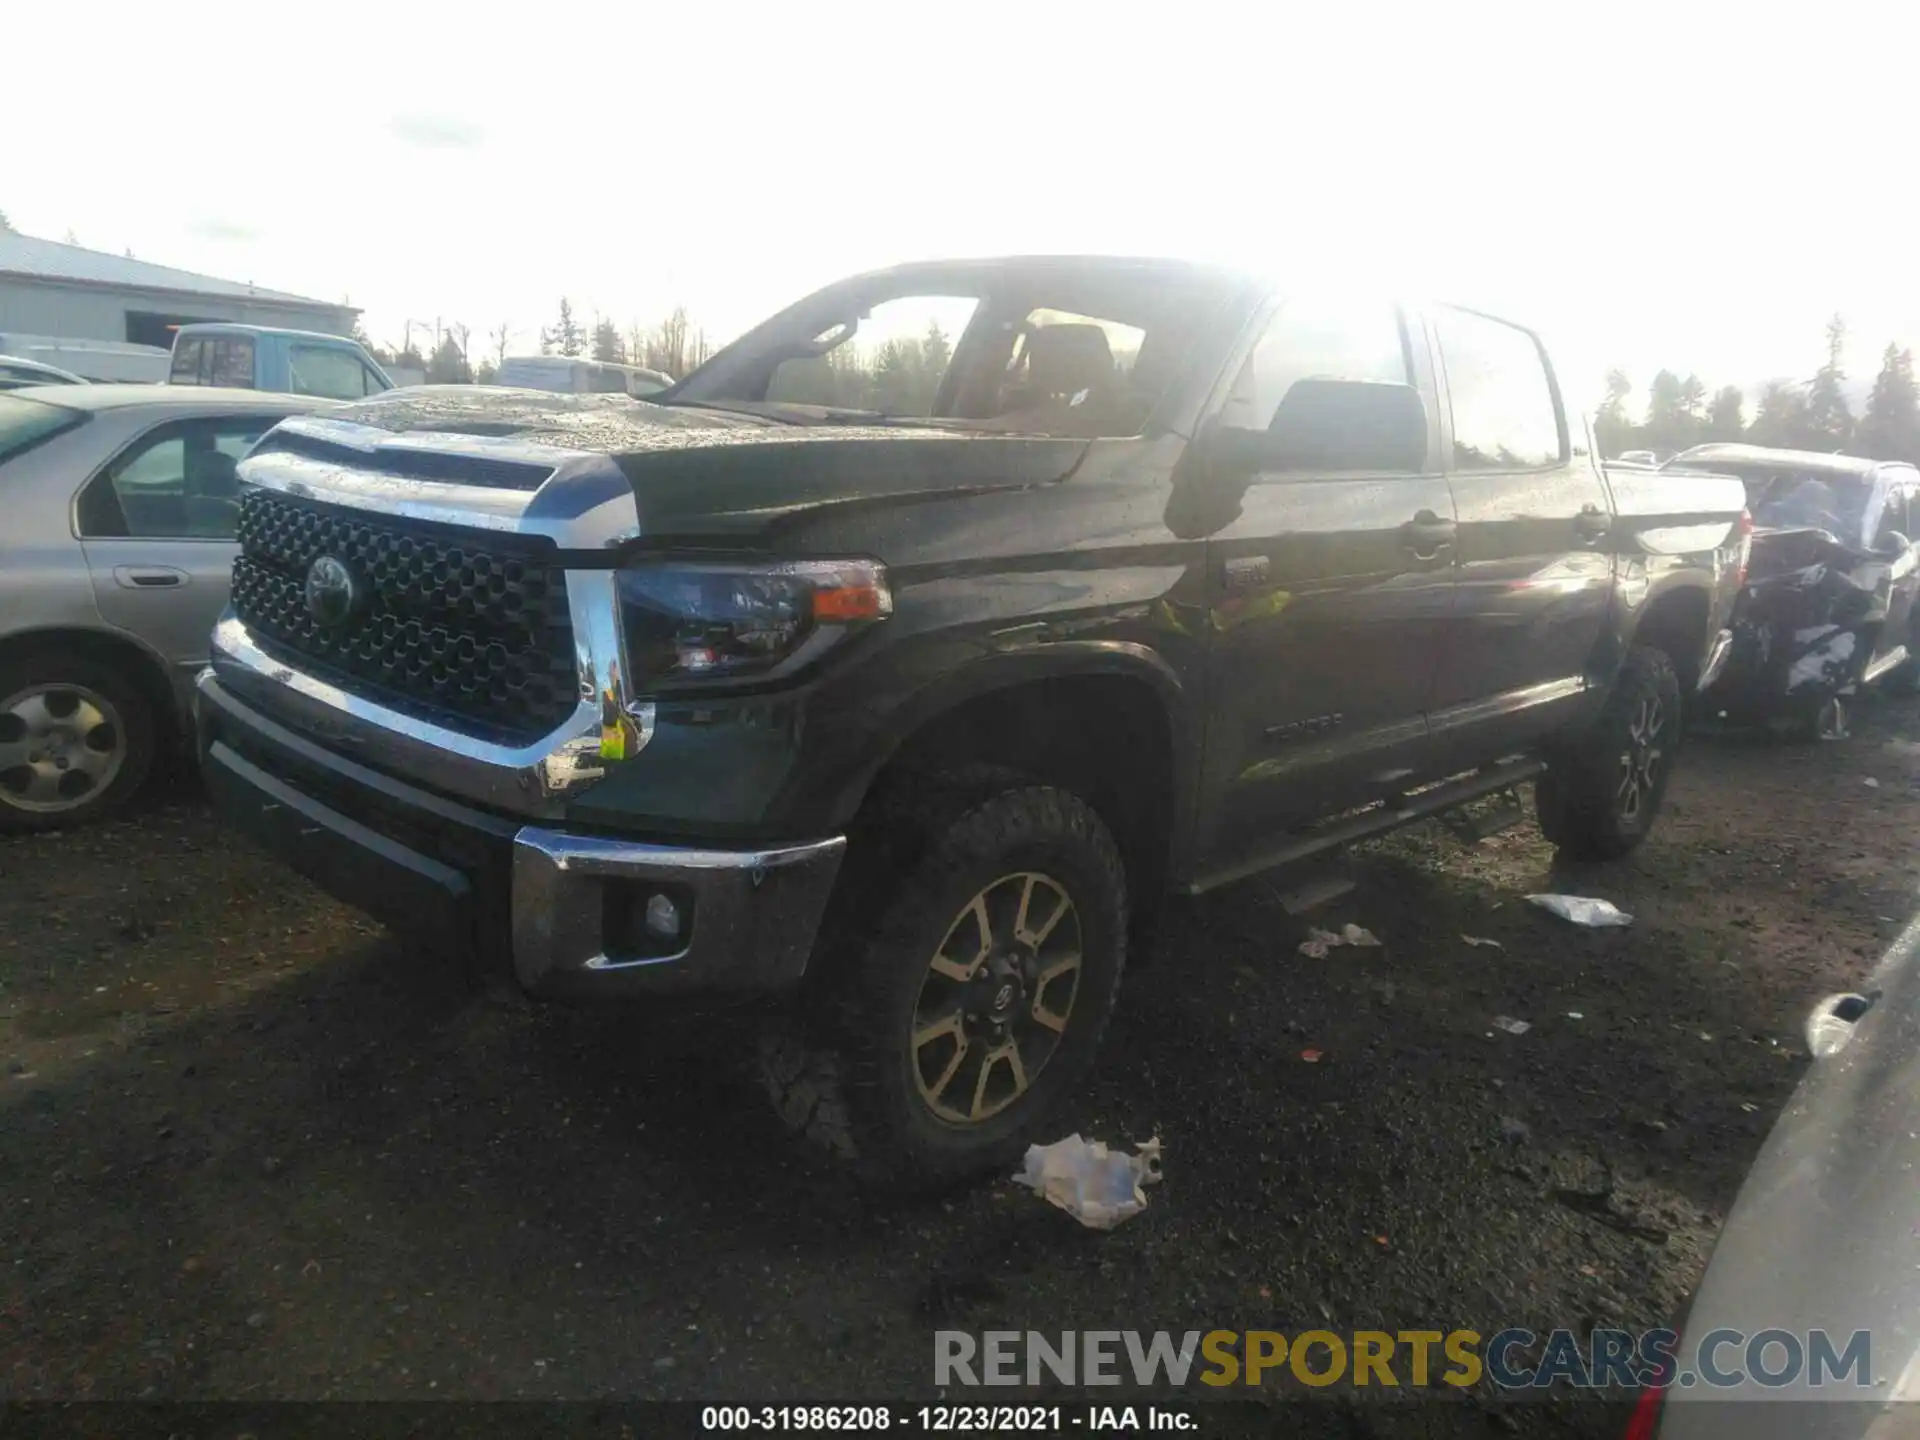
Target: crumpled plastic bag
x,y
1319,942
1595,914
1097,1186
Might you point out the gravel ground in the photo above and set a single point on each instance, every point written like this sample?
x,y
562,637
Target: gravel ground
x,y
251,1148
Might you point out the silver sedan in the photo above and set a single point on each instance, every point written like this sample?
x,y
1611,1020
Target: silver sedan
x,y
1807,1322
119,504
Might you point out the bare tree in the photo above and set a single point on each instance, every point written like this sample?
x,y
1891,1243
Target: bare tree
x,y
500,337
675,347
460,335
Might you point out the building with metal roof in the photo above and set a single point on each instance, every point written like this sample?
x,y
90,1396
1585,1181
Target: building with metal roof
x,y
47,288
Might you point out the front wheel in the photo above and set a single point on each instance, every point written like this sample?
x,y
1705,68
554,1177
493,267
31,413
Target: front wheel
x,y
977,1002
1603,788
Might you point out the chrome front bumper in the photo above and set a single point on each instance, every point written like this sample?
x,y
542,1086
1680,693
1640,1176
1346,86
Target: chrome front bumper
x,y
563,907
749,916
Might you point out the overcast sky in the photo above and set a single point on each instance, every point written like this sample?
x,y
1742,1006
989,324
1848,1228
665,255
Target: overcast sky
x,y
1695,185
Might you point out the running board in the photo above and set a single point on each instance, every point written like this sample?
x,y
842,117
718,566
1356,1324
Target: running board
x,y
1377,820
1496,820
1892,660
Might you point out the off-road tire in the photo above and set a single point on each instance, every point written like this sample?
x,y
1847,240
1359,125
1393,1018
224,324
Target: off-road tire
x,y
137,735
839,1068
1579,800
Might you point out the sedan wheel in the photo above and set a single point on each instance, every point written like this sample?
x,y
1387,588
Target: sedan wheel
x,y
75,741
59,745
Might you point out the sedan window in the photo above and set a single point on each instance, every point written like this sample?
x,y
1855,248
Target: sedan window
x,y
177,482
25,423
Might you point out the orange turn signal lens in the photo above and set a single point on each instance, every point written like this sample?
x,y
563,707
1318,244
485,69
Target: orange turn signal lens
x,y
844,604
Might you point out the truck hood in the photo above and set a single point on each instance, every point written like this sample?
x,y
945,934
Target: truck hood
x,y
691,472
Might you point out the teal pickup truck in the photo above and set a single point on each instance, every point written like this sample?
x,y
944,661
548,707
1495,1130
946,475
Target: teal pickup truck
x,y
296,362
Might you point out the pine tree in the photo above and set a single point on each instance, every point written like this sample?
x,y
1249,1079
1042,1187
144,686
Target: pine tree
x,y
1669,425
1890,428
1612,430
607,344
1829,423
1781,419
936,352
1726,416
566,336
448,366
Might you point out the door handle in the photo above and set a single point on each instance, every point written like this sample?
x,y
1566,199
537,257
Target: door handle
x,y
148,577
1426,535
1592,523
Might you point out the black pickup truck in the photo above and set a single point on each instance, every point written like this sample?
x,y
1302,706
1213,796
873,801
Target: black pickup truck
x,y
905,723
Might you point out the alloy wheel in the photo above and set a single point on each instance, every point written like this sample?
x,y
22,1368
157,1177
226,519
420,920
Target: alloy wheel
x,y
1641,760
996,998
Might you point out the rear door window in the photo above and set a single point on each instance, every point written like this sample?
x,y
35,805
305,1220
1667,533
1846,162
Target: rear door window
x,y
179,481
1504,416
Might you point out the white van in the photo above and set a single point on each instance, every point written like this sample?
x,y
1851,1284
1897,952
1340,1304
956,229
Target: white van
x,y
574,376
97,360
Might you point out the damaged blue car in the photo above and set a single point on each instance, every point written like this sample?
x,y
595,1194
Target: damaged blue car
x,y
1825,609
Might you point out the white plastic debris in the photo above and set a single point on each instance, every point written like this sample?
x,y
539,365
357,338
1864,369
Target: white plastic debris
x,y
1477,940
1581,910
1511,1025
1872,784
1095,1185
1319,942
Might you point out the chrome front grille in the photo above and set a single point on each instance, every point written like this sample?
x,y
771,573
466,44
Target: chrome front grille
x,y
468,627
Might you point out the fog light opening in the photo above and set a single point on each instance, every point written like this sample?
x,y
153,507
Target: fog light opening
x,y
662,916
646,920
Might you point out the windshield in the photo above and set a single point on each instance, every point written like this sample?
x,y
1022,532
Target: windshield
x,y
25,423
1069,350
1846,506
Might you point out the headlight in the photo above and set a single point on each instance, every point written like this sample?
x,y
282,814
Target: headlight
x,y
691,621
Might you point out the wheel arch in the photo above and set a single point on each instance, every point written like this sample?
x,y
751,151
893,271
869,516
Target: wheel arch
x,y
1674,619
1112,721
139,662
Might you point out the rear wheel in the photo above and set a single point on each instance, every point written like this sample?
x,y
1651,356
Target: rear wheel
x,y
975,1000
1602,791
76,742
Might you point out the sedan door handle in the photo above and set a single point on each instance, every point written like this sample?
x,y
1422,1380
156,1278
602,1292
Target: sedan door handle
x,y
1426,535
148,577
1592,523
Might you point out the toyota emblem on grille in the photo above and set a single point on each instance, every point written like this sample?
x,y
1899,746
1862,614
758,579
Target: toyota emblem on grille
x,y
332,592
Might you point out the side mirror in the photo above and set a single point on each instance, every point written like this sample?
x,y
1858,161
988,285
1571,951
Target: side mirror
x,y
1333,425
